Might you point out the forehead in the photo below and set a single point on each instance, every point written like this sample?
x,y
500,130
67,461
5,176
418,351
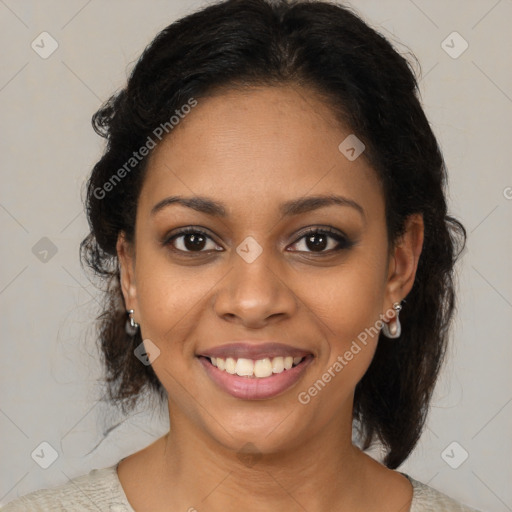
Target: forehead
x,y
268,143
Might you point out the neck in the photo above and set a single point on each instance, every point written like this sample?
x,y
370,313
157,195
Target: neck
x,y
313,475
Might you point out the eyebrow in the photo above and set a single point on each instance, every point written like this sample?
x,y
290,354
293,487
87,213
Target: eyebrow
x,y
287,209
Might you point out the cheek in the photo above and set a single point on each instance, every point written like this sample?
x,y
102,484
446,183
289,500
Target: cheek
x,y
169,299
348,303
347,296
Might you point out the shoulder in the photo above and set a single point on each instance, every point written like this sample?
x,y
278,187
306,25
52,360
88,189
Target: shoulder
x,y
99,490
426,498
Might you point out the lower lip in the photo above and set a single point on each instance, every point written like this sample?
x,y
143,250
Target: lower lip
x,y
249,388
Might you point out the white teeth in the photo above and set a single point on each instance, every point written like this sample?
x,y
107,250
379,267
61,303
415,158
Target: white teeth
x,y
263,368
230,365
259,368
277,365
244,367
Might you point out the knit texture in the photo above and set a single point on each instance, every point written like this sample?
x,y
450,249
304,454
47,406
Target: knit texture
x,y
101,490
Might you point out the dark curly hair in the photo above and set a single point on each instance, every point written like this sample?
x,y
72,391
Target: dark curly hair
x,y
371,88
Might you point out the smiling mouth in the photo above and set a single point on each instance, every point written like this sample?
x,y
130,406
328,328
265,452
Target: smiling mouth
x,y
255,368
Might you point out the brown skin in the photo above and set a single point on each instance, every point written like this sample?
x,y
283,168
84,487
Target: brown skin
x,y
252,151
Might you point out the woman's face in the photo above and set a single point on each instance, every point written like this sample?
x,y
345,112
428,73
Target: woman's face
x,y
257,159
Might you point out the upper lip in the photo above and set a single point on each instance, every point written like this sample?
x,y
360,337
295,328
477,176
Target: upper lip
x,y
254,351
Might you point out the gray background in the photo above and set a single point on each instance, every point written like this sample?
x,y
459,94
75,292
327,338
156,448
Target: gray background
x,y
50,370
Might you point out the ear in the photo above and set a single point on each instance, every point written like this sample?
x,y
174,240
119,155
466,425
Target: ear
x,y
126,257
403,261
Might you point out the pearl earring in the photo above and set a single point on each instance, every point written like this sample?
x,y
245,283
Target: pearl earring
x,y
394,329
131,325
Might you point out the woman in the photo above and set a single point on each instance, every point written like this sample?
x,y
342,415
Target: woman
x,y
269,216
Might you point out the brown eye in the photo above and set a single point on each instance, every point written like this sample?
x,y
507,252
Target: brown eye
x,y
317,241
322,241
192,240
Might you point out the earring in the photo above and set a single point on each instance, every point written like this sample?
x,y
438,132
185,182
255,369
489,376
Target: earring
x,y
131,325
393,330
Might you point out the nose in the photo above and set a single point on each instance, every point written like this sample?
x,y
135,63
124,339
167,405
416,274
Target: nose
x,y
255,294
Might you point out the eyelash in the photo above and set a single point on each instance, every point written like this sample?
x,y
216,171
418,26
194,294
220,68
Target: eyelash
x,y
342,240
